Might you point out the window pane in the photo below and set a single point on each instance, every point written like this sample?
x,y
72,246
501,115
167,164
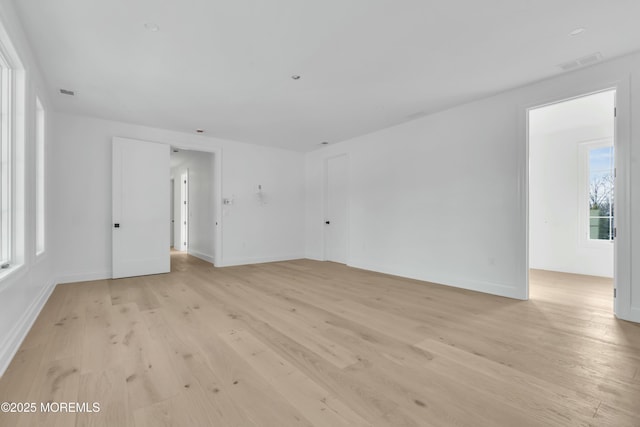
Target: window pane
x,y
601,181
5,237
601,159
601,228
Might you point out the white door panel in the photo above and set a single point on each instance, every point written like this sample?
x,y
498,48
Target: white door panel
x,y
140,216
336,209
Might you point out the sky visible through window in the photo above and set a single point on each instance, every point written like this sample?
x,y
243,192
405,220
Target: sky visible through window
x,y
600,161
601,182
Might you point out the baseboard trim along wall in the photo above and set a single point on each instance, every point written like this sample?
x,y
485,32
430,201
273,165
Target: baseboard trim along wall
x,y
471,285
9,347
201,255
84,277
634,315
258,260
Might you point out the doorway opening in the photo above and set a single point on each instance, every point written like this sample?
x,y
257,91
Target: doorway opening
x,y
571,203
193,206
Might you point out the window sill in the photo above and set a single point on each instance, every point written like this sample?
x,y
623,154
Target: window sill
x,y
9,273
596,244
39,257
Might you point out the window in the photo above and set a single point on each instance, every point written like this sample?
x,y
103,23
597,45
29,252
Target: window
x,y
599,176
40,173
5,162
12,155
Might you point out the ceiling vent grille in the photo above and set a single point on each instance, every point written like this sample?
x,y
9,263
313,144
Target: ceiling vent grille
x,y
581,62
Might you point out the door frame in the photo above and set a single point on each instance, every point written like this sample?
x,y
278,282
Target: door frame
x,y
622,243
184,211
325,204
216,193
172,212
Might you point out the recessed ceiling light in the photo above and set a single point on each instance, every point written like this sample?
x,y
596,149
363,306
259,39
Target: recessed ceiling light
x,y
295,77
577,31
151,27
199,130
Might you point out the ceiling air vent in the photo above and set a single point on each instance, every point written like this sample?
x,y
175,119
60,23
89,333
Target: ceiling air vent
x,y
67,92
581,62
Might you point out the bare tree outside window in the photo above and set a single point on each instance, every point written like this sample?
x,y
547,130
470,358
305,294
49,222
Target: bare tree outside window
x,y
601,192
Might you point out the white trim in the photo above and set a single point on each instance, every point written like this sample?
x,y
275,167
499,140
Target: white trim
x,y
259,260
11,275
12,342
217,196
584,148
622,244
634,315
200,255
623,200
84,277
500,289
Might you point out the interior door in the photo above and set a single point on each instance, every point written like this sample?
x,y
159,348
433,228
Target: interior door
x,y
171,213
184,211
140,215
336,210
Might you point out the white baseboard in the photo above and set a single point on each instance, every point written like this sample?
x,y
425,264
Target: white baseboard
x,y
472,285
200,255
84,277
258,260
12,342
634,315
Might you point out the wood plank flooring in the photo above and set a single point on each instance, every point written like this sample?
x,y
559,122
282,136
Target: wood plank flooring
x,y
305,343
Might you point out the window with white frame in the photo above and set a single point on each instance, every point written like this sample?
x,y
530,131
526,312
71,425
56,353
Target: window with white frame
x,y
40,173
12,156
5,162
597,168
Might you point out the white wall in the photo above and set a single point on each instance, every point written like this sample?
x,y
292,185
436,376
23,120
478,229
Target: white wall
x,y
201,203
250,232
442,198
25,290
428,199
556,240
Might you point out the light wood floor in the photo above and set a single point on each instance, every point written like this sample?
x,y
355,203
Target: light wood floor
x,y
312,343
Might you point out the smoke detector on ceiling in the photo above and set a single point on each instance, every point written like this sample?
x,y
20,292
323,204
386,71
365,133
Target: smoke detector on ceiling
x,y
581,62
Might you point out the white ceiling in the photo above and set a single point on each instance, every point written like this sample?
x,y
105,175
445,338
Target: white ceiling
x,y
225,66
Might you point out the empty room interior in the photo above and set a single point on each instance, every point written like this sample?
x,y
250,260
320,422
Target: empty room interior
x,y
319,213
